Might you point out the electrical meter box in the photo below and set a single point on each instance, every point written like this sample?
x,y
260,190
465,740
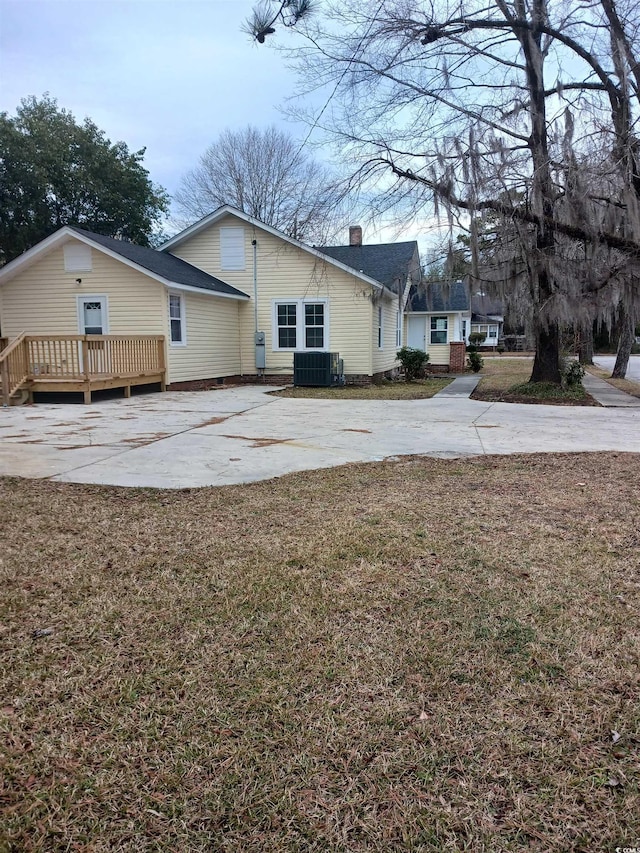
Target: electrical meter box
x,y
261,355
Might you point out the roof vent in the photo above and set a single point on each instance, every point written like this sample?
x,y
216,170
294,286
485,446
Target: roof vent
x,y
355,235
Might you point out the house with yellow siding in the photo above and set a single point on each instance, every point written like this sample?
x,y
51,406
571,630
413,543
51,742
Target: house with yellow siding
x,y
438,321
227,299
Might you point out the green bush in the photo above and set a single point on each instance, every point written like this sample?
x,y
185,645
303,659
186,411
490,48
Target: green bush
x,y
413,361
476,338
475,361
573,374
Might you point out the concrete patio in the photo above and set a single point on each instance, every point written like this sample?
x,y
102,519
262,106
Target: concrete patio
x,y
240,435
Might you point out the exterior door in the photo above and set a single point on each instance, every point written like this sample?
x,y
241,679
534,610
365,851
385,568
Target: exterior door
x,y
92,320
92,311
416,332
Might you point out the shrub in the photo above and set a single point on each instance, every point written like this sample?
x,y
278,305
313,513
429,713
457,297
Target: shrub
x,y
413,361
573,374
475,361
476,338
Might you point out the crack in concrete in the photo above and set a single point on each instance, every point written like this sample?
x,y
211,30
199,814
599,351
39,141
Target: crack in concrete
x,y
476,427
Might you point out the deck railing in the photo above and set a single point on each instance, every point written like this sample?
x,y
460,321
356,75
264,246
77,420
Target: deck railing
x,y
78,356
14,368
53,360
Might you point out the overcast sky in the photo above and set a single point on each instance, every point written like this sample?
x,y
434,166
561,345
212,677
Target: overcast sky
x,y
165,74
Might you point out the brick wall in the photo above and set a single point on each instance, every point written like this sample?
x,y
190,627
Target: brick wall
x,y
457,356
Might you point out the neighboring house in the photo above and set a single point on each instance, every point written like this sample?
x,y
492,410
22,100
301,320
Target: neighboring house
x,y
438,321
487,318
202,297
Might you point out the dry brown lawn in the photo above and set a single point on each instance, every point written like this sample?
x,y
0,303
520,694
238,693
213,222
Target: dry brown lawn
x,y
421,389
413,656
505,380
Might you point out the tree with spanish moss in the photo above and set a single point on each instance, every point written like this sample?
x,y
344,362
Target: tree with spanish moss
x,y
471,109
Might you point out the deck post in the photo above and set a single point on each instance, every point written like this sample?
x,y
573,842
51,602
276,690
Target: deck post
x,y
162,363
4,376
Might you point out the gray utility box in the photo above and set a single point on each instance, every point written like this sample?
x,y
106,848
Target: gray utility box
x,y
261,356
318,368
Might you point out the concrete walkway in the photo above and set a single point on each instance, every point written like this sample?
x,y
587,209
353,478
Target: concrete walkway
x,y
239,435
462,386
608,395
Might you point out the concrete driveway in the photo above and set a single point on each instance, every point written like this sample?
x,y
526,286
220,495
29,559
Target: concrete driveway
x,y
608,361
239,435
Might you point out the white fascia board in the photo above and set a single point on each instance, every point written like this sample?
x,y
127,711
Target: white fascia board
x,y
11,269
173,285
61,236
227,210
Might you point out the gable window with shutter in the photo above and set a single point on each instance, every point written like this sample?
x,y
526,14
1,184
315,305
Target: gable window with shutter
x,y
77,257
232,252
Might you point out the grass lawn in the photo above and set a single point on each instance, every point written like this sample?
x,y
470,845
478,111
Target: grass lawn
x,y
506,380
421,389
422,655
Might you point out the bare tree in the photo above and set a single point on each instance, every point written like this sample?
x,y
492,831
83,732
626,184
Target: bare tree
x,y
264,174
492,107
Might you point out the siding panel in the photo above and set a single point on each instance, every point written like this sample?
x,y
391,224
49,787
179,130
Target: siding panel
x,y
287,272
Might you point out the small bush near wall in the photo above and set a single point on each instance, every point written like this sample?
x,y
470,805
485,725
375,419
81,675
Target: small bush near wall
x,y
414,362
475,361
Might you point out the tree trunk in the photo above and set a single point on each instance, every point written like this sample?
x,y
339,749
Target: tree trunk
x,y
627,330
546,364
585,350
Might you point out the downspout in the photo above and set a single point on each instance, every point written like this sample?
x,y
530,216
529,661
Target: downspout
x,y
254,243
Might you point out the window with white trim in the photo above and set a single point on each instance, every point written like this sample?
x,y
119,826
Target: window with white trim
x,y
489,330
399,329
380,328
232,248
177,330
439,327
77,257
300,324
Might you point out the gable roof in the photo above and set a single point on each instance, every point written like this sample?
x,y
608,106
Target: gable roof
x,y
439,298
388,263
227,210
165,268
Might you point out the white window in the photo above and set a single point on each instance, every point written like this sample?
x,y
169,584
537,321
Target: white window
x,y
398,329
232,248
177,331
300,324
77,257
380,328
489,331
438,330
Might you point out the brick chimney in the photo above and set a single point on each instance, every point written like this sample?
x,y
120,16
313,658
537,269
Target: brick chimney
x,y
355,235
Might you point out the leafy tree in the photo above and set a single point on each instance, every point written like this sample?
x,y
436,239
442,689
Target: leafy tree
x,y
527,109
55,172
264,174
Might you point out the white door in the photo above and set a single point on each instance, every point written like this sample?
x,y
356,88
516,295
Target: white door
x,y
92,311
416,332
93,320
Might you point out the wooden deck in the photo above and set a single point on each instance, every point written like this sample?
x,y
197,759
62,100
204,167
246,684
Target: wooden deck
x,y
84,363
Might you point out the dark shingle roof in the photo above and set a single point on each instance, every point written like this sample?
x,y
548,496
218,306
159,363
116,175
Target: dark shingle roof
x,y
388,263
163,264
439,297
484,304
